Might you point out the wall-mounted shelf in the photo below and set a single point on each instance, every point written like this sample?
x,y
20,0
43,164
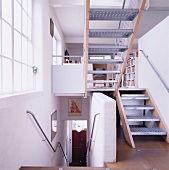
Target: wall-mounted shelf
x,y
129,73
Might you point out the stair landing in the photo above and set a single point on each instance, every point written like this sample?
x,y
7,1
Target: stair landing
x,y
62,168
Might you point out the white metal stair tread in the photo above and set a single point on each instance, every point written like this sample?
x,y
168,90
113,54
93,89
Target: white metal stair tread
x,y
104,61
104,72
142,118
106,49
100,89
102,81
113,14
110,33
134,97
147,131
138,107
131,89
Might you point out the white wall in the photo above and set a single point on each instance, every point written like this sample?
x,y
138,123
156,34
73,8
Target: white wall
x,y
156,45
68,78
21,141
103,148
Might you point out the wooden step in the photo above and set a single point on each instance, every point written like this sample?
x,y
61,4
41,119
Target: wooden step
x,y
63,168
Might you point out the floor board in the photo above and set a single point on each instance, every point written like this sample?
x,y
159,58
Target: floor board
x,y
151,153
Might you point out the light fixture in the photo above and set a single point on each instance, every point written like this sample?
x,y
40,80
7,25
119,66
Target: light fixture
x,y
78,128
54,128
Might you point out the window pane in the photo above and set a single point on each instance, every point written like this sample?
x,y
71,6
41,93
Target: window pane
x,y
6,75
30,57
24,50
24,77
6,40
24,22
17,76
17,46
7,10
29,29
30,78
0,76
30,8
25,5
17,16
0,37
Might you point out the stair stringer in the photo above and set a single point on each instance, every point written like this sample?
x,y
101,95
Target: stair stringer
x,y
130,42
125,124
161,124
86,45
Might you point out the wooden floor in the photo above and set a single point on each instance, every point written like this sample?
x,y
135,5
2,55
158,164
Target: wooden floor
x,y
151,153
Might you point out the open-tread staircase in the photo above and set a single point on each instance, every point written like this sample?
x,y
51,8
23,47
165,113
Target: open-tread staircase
x,y
101,48
139,115
100,14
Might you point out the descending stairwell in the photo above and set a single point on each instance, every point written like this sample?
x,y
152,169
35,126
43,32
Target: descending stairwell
x,y
139,115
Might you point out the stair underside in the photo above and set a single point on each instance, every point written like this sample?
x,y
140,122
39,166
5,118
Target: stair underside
x,y
113,14
142,118
106,61
106,49
100,89
147,131
110,33
138,107
104,72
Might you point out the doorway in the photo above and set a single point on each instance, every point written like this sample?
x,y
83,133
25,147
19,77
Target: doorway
x,y
79,138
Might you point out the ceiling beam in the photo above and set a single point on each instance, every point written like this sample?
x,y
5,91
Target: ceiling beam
x,y
158,5
74,40
66,3
94,3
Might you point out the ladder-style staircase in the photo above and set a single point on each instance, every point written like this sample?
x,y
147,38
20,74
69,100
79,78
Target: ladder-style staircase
x,y
139,115
100,50
101,79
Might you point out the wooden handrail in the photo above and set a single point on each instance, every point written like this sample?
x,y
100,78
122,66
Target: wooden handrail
x,y
86,44
130,46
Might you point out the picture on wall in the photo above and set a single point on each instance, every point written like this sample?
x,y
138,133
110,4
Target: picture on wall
x,y
75,107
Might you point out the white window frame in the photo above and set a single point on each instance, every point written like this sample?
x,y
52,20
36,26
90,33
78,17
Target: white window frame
x,y
27,65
